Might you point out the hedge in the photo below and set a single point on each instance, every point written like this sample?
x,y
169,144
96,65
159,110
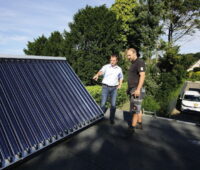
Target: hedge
x,y
194,76
150,104
95,92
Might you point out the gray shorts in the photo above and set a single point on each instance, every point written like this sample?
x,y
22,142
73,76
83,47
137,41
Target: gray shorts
x,y
136,102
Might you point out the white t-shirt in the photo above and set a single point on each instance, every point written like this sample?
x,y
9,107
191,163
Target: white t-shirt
x,y
111,75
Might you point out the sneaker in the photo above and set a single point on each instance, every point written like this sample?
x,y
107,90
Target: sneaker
x,y
131,129
112,122
139,126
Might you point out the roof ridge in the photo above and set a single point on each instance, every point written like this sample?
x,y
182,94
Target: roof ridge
x,y
31,57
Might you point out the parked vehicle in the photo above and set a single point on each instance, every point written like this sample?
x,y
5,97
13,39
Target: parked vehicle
x,y
190,101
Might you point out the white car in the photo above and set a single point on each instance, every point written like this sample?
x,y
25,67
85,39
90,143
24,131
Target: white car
x,y
191,101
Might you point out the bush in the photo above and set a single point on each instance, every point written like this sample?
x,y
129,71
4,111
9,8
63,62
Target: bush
x,y
95,92
168,83
194,76
150,104
122,97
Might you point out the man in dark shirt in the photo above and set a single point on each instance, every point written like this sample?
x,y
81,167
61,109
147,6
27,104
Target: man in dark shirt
x,y
136,77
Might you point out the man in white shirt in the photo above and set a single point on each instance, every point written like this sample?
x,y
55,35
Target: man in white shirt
x,y
112,80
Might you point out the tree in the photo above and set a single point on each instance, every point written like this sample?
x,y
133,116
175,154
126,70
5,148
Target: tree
x,y
37,47
169,59
51,46
152,78
55,44
188,60
141,23
146,28
181,18
124,10
93,37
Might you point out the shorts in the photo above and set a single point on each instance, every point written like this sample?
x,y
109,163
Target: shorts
x,y
136,102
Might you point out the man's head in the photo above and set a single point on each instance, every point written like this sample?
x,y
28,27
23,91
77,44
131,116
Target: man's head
x,y
113,59
131,54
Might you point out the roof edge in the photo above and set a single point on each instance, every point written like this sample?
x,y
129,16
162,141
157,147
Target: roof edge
x,y
31,57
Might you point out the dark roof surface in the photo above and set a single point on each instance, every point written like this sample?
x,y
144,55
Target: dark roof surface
x,y
163,144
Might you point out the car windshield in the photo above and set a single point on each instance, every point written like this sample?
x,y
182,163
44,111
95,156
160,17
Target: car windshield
x,y
192,98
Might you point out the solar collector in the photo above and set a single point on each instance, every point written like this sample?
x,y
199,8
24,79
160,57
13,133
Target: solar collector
x,y
42,100
80,88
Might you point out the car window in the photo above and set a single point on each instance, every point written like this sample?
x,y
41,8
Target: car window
x,y
192,98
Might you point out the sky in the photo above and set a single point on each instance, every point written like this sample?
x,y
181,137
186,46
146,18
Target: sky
x,y
25,20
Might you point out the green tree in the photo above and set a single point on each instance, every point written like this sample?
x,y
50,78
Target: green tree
x,y
152,78
140,22
37,47
170,58
172,63
188,60
55,44
93,37
181,18
51,46
124,10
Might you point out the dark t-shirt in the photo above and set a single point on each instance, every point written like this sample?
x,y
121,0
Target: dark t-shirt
x,y
136,67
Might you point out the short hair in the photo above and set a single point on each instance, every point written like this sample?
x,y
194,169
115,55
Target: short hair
x,y
134,50
114,55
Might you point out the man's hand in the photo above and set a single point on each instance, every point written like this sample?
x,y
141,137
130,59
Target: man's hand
x,y
95,77
119,86
136,93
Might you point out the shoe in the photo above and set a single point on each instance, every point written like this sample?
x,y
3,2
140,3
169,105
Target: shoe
x,y
112,122
131,130
139,126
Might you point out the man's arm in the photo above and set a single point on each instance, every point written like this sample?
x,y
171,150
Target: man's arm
x,y
140,84
121,77
97,75
120,83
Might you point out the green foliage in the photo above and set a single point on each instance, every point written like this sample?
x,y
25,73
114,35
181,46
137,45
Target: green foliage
x,y
124,11
150,104
55,44
140,23
197,56
168,82
145,27
169,98
170,58
151,85
98,32
95,92
180,72
188,59
43,46
173,68
194,76
152,77
122,97
169,90
181,17
38,47
93,37
172,62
